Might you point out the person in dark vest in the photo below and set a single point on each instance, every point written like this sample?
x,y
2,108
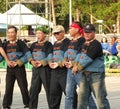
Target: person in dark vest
x,y
77,33
59,71
41,73
90,63
18,54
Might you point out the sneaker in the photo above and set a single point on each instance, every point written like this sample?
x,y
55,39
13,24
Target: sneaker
x,y
26,107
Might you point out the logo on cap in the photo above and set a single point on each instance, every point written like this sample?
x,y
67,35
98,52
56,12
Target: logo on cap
x,y
89,28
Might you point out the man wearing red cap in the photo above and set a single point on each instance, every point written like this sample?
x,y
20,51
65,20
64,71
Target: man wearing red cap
x,y
75,45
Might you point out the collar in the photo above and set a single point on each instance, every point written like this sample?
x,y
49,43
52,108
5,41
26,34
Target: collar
x,y
60,40
88,42
41,42
77,38
13,42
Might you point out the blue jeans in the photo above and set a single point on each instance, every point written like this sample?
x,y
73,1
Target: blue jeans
x,y
71,84
93,82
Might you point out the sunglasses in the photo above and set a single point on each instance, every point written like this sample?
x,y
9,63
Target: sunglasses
x,y
57,33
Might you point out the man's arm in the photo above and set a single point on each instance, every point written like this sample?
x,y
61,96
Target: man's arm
x,y
3,54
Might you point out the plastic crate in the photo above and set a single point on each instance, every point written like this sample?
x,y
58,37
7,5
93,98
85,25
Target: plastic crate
x,y
3,64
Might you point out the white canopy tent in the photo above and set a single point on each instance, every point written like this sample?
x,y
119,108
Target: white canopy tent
x,y
3,19
20,15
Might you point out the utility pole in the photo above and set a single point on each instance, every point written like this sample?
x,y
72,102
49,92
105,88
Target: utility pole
x,y
46,9
70,12
91,17
53,12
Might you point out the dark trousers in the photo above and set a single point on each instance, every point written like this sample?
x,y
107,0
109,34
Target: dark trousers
x,y
39,76
57,86
19,74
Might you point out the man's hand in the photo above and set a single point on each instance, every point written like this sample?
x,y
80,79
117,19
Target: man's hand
x,y
11,64
34,63
53,65
38,64
75,70
68,64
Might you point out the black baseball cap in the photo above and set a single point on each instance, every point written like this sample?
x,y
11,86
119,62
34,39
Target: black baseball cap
x,y
89,28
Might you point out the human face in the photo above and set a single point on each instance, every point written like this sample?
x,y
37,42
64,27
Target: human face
x,y
104,40
113,39
73,31
59,35
40,35
11,34
89,36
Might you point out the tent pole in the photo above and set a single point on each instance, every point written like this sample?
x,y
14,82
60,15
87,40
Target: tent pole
x,y
19,19
7,17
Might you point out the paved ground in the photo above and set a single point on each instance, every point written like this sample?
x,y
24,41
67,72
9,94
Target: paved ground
x,y
112,84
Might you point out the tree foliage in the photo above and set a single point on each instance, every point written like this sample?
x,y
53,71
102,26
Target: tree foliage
x,y
105,10
2,6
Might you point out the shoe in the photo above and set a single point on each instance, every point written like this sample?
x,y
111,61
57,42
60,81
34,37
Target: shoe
x,y
6,108
26,107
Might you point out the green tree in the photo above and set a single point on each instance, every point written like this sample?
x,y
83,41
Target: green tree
x,y
2,6
93,10
83,10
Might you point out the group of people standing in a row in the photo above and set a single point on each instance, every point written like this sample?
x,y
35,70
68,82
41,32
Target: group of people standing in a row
x,y
62,67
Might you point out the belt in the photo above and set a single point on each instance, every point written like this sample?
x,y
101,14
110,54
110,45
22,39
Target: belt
x,y
87,73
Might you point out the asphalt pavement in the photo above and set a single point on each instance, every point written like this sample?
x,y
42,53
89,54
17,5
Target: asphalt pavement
x,y
112,85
